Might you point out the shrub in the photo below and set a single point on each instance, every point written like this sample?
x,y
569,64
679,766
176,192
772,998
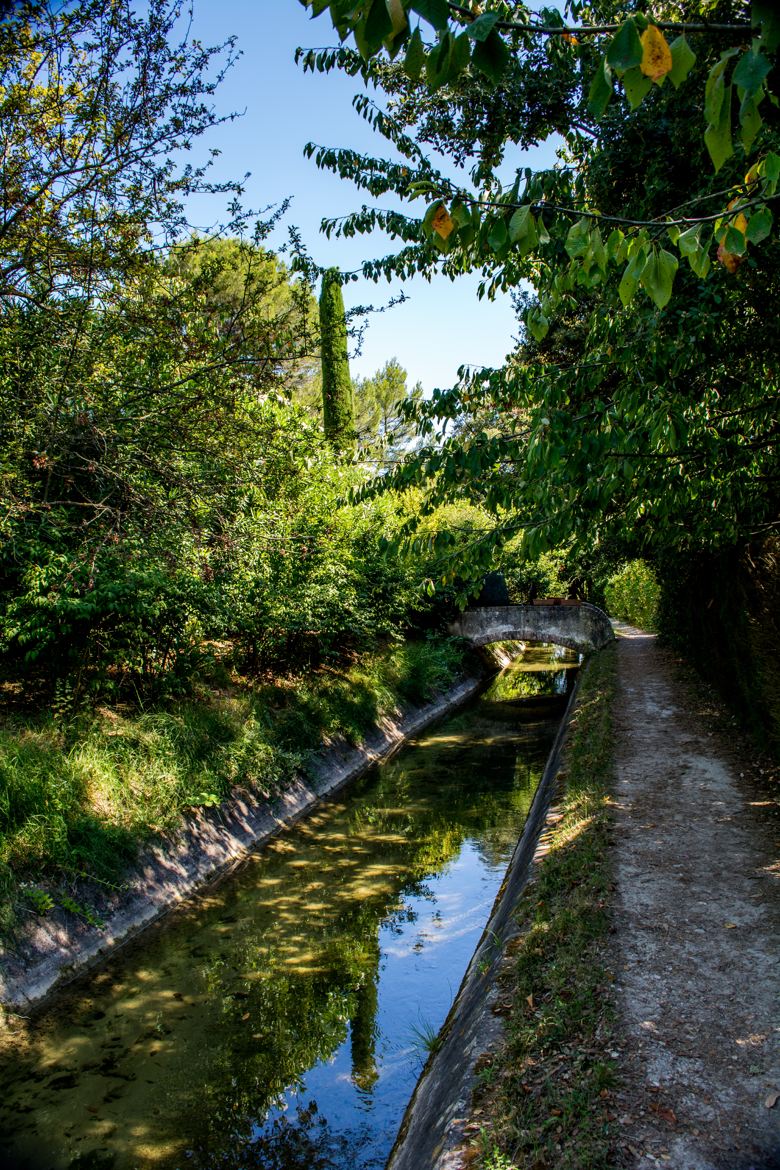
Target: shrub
x,y
632,595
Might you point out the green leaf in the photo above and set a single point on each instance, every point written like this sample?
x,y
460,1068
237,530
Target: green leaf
x,y
699,261
759,225
460,214
447,60
479,29
615,242
415,56
690,240
734,241
630,279
658,276
491,56
520,223
718,134
459,56
537,323
436,12
750,72
600,90
578,238
625,49
766,14
683,58
750,121
715,88
636,85
372,29
771,167
498,237
596,253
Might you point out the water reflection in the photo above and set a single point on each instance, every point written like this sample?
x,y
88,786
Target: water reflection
x,y
276,1023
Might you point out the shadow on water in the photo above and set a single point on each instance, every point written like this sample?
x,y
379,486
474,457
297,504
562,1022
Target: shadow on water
x,y
276,1023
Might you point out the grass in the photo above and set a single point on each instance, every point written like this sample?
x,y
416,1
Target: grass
x,y
79,793
426,1039
545,1097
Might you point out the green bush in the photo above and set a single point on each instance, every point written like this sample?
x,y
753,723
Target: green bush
x,y
632,595
78,792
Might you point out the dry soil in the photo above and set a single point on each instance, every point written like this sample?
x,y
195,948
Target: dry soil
x,y
695,946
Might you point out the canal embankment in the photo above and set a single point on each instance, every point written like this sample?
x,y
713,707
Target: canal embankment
x,y
281,1016
46,950
533,1000
636,1010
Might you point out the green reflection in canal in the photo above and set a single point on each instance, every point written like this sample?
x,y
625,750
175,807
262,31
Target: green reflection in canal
x,y
275,1022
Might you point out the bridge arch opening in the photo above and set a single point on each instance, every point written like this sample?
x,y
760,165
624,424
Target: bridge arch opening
x,y
582,627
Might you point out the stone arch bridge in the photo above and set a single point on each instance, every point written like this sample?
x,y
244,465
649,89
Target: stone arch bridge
x,y
580,626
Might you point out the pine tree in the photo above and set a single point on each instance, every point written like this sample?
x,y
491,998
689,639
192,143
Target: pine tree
x,y
337,404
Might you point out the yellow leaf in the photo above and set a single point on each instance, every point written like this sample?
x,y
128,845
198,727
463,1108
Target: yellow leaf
x,y
752,176
656,54
443,223
740,223
731,263
397,15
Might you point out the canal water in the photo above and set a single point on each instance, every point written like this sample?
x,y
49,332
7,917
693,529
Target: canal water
x,y
281,1020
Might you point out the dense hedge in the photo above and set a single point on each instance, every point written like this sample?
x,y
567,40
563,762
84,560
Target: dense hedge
x,y
722,611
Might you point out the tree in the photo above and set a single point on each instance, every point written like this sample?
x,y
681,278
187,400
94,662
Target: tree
x,y
583,61
577,442
337,404
117,99
142,370
256,316
384,407
638,413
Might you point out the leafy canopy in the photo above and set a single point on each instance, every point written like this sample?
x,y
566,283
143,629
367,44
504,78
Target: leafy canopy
x,y
600,59
640,401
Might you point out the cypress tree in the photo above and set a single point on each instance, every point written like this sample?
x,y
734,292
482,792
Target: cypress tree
x,y
337,405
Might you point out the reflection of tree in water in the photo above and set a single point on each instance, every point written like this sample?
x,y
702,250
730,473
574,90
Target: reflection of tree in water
x,y
282,967
306,1017
363,1028
302,1140
299,1138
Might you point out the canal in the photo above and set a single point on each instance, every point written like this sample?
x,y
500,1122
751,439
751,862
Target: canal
x,y
280,1020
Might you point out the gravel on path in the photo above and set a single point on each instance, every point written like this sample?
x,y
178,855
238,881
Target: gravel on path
x,y
695,946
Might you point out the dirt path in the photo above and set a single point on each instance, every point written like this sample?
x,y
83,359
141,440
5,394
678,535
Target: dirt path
x,y
696,945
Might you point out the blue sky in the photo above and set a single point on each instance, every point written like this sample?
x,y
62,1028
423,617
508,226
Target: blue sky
x,y
443,324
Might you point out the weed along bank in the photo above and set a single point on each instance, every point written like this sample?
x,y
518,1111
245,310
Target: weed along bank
x,y
282,1017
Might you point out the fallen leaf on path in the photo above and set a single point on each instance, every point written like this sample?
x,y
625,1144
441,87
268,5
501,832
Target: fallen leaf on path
x,y
772,1099
668,1115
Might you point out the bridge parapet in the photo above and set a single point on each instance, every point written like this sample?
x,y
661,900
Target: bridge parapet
x,y
582,627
